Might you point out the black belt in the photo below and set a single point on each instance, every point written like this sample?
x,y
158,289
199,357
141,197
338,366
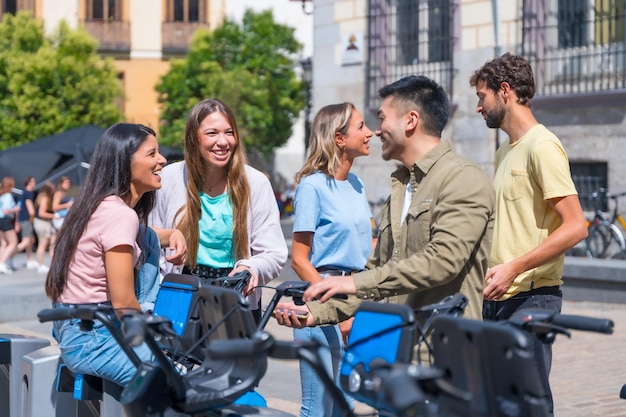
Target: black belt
x,y
104,303
554,290
204,271
334,272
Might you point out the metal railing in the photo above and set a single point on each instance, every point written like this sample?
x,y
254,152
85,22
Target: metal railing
x,y
575,46
409,37
112,35
177,35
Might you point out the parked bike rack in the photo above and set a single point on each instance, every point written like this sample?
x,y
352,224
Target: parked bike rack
x,y
49,389
12,348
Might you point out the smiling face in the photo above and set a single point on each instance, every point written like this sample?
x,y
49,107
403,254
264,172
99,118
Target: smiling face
x,y
490,105
390,130
145,167
217,140
357,137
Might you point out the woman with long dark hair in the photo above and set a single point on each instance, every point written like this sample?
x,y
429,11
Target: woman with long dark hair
x,y
98,251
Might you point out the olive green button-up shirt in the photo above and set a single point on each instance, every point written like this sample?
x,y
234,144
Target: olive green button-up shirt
x,y
440,248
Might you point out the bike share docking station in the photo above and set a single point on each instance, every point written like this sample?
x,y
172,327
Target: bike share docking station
x,y
34,382
12,348
50,389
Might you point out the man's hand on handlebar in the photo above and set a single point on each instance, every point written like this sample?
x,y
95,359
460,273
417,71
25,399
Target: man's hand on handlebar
x,y
291,315
324,290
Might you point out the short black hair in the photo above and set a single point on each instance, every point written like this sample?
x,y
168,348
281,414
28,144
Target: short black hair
x,y
418,92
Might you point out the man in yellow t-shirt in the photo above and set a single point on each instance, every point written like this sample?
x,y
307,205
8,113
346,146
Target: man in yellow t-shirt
x,y
538,214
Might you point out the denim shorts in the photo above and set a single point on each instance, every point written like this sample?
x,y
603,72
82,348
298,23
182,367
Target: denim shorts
x,y
95,351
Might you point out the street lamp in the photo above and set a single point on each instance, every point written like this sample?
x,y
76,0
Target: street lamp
x,y
304,7
307,77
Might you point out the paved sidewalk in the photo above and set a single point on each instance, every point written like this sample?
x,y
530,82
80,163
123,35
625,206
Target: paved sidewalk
x,y
588,370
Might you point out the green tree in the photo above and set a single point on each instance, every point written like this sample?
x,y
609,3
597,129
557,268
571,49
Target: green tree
x,y
250,66
49,84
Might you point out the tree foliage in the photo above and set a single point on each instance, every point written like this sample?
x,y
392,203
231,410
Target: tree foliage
x,y
248,65
49,84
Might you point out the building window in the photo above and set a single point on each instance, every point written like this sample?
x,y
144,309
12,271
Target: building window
x,y
428,40
110,10
185,10
9,6
589,177
14,6
409,37
572,30
575,46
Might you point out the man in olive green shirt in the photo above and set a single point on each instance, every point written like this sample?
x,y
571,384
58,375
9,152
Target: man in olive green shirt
x,y
435,232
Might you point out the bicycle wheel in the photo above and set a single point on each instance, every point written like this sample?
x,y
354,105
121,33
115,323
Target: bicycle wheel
x,y
596,241
617,245
605,240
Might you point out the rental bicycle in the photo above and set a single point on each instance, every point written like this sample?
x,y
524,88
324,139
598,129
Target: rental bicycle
x,y
212,387
480,369
605,239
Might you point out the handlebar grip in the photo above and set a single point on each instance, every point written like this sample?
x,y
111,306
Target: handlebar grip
x,y
67,313
590,324
54,314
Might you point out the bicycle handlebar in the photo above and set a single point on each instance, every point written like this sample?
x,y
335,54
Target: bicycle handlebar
x,y
543,321
293,289
69,313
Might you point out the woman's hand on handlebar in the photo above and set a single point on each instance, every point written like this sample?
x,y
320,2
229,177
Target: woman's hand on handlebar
x,y
178,248
254,279
329,287
292,315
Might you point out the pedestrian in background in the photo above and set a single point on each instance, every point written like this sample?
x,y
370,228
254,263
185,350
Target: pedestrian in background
x,y
25,219
332,234
46,233
61,203
8,233
538,214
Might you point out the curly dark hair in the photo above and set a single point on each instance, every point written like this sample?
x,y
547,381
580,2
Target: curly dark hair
x,y
514,70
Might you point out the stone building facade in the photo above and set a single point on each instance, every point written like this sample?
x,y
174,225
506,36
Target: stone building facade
x,y
577,49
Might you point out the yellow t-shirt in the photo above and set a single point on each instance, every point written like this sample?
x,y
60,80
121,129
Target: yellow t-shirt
x,y
528,174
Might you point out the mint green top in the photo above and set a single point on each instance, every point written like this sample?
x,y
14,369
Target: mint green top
x,y
216,232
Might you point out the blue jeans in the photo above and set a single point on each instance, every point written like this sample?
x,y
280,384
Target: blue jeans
x,y
95,351
316,401
148,280
548,298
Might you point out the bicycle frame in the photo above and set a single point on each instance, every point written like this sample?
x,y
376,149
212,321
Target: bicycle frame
x,y
605,239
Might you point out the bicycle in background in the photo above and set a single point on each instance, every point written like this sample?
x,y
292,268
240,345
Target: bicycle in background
x,y
605,239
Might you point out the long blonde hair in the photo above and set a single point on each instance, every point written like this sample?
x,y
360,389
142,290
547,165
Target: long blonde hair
x,y
238,188
325,154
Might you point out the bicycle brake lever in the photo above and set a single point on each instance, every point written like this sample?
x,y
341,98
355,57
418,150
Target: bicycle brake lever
x,y
546,331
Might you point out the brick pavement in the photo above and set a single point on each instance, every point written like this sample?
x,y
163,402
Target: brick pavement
x,y
587,375
589,369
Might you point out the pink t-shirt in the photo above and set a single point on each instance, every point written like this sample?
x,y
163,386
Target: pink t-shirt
x,y
112,224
